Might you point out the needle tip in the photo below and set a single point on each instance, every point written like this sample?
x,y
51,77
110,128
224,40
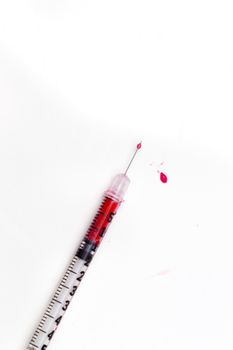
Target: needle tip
x,y
139,145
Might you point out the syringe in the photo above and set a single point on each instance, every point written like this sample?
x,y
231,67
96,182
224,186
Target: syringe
x,y
60,301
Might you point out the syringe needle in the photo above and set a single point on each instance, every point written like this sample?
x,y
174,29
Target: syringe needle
x,y
139,145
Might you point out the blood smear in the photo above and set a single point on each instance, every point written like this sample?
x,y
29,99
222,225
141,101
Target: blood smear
x,y
163,272
163,177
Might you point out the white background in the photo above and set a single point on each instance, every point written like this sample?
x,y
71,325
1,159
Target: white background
x,y
81,82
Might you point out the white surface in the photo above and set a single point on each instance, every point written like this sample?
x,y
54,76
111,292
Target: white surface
x,y
81,83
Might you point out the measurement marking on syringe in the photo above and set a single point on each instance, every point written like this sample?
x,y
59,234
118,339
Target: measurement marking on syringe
x,y
73,272
41,330
57,301
65,286
48,315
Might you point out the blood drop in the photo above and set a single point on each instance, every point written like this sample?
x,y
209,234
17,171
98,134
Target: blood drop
x,y
163,177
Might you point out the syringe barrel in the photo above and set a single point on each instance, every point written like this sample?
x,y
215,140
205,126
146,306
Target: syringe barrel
x,y
79,264
110,204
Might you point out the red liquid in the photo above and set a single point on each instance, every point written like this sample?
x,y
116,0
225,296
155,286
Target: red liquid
x,y
163,177
102,220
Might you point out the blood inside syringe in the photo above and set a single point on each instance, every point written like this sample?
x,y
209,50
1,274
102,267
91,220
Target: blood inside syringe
x,y
97,228
102,220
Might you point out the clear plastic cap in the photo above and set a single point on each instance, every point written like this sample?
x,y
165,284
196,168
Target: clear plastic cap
x,y
118,187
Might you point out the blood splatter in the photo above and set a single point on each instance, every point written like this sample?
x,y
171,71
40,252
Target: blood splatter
x,y
139,145
163,177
